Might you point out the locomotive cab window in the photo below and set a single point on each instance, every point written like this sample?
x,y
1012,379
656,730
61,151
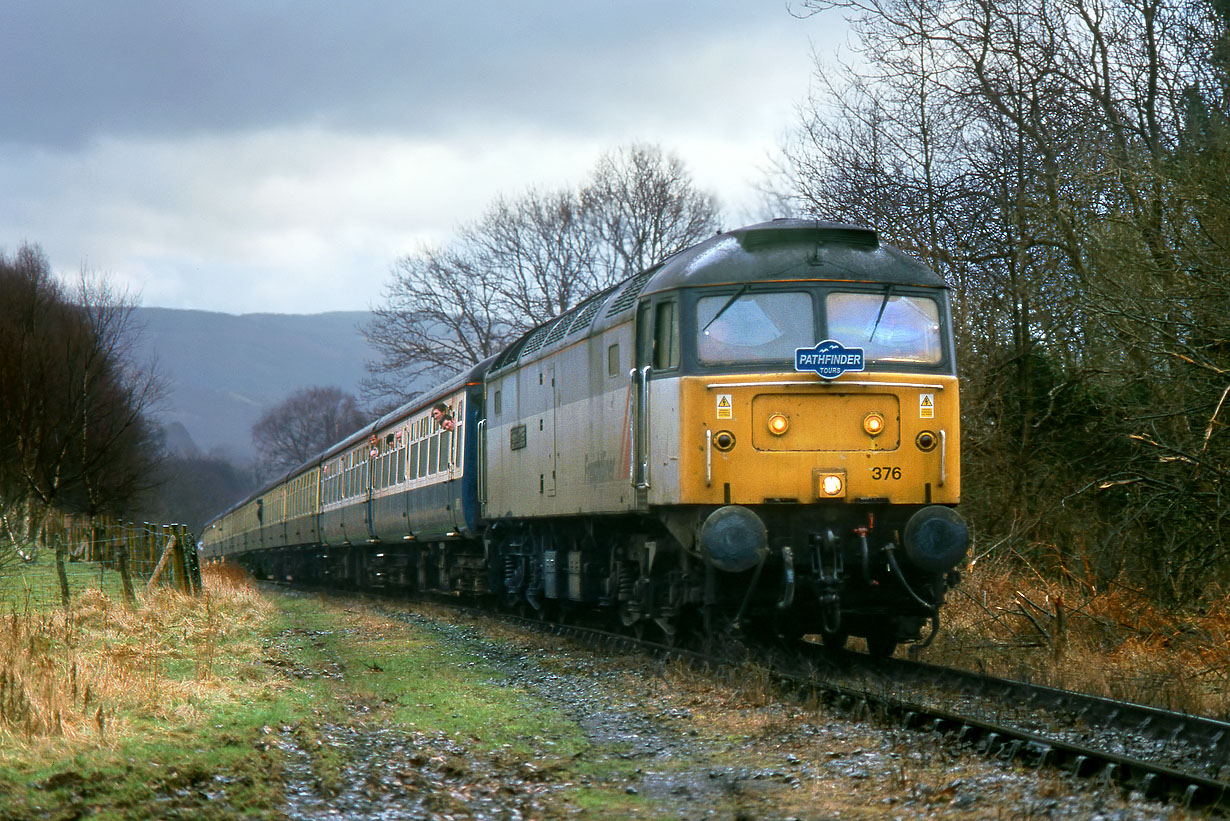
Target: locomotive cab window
x,y
666,336
754,327
888,327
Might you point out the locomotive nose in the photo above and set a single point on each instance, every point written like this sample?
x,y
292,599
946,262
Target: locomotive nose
x,y
936,539
734,538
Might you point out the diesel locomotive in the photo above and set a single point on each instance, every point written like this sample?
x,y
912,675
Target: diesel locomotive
x,y
760,432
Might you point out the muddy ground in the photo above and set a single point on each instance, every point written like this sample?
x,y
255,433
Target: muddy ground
x,y
694,745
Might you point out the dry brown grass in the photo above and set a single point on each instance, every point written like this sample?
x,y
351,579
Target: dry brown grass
x,y
90,671
1108,639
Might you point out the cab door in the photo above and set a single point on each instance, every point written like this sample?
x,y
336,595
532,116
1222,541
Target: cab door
x,y
658,349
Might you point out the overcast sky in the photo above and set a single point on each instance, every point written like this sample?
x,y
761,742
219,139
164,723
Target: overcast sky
x,y
280,155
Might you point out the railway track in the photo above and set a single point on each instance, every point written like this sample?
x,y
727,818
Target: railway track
x,y
1161,754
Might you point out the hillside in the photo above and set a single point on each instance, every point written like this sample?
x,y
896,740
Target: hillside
x,y
223,371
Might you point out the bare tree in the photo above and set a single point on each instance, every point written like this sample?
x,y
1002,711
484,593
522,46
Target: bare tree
x,y
72,427
642,207
73,431
543,251
444,309
1064,166
302,425
526,261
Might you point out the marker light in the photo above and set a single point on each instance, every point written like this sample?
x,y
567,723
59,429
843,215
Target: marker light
x,y
778,424
831,484
873,423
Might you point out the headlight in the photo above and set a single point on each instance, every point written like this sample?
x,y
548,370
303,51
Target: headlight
x,y
873,423
778,424
830,484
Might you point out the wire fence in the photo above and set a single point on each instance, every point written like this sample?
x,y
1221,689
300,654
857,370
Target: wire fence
x,y
123,560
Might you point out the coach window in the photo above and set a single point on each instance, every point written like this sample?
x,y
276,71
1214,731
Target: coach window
x,y
612,360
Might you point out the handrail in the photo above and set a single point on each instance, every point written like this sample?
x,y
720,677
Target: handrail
x,y
943,457
811,384
480,461
708,457
632,427
644,426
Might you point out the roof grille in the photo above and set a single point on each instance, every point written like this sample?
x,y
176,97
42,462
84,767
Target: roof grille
x,y
536,340
631,290
560,328
507,355
586,315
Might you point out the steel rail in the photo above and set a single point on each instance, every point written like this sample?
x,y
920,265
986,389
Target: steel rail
x,y
994,739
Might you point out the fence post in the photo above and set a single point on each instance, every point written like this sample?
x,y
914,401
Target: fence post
x,y
62,571
192,559
149,546
122,560
162,563
177,565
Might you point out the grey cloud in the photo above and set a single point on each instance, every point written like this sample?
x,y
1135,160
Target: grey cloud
x,y
73,71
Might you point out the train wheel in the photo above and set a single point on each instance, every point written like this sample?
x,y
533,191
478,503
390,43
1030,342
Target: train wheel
x,y
670,630
834,640
680,629
881,642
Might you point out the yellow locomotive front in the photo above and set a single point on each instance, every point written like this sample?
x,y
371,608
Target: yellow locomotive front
x,y
798,413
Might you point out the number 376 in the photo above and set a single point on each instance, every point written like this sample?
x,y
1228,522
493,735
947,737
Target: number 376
x,y
886,473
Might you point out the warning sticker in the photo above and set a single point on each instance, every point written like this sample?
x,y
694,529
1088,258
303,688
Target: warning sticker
x,y
926,406
725,410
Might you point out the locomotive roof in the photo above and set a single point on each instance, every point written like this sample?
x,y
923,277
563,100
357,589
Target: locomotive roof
x,y
792,249
784,249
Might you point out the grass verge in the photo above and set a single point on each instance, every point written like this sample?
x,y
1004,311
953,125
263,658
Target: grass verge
x,y
238,703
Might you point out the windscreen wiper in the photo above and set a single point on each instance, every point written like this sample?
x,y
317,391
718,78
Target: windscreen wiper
x,y
887,293
742,290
